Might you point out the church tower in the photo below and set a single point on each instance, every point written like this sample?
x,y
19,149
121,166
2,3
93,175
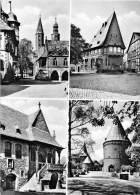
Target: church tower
x,y
55,35
13,22
39,35
114,148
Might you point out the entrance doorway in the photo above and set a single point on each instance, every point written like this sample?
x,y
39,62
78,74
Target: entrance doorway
x,y
10,181
65,76
55,76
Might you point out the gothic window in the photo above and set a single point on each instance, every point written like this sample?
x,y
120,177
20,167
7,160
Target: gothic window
x,y
33,154
55,62
8,149
65,62
1,65
18,151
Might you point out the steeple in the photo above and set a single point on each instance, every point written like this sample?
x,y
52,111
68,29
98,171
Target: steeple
x,y
39,35
39,26
55,35
13,22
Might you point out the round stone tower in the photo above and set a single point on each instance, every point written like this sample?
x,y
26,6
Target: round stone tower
x,y
114,148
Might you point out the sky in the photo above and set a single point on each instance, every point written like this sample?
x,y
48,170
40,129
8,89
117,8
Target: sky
x,y
28,12
90,14
98,134
55,113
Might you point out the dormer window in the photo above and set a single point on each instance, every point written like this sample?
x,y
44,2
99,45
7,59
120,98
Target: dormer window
x,y
18,131
2,126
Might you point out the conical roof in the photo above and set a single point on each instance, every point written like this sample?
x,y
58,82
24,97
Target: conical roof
x,y
117,133
39,26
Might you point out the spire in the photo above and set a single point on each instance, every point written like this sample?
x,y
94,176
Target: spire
x,y
10,2
39,104
39,26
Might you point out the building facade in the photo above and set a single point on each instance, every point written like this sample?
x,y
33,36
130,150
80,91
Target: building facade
x,y
9,40
51,55
107,48
27,151
133,53
114,148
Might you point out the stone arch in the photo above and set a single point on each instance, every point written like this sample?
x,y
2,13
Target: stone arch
x,y
55,76
111,168
65,76
10,181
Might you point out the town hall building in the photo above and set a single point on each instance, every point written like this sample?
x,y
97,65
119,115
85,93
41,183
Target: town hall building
x,y
107,48
51,55
9,40
29,154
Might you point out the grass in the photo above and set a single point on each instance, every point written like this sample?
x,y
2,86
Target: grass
x,y
118,83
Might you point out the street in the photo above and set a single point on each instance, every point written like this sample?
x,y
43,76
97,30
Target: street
x,y
37,89
102,186
127,83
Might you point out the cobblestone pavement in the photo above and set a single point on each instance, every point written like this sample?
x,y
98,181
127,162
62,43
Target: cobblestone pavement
x,y
102,186
127,83
76,93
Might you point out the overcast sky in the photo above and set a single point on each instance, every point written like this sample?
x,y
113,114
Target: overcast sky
x,y
55,113
28,12
90,14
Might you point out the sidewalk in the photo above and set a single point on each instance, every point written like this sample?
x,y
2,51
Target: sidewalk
x,y
76,93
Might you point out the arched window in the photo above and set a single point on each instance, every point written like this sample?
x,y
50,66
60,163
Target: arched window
x,y
1,65
18,150
65,62
8,149
55,62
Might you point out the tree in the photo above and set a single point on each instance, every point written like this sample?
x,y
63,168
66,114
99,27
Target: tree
x,y
131,109
80,114
78,44
25,52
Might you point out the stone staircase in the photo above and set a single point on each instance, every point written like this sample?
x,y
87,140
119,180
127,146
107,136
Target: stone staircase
x,y
34,184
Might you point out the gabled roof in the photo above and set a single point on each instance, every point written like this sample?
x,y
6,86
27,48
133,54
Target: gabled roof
x,y
101,36
4,26
40,27
13,120
117,133
138,36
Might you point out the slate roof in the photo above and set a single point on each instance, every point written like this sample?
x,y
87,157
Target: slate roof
x,y
99,39
13,119
4,26
117,133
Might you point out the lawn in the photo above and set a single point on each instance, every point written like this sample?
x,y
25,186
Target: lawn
x,y
118,83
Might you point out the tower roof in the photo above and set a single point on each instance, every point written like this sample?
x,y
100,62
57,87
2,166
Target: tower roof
x,y
117,132
39,26
101,36
12,16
